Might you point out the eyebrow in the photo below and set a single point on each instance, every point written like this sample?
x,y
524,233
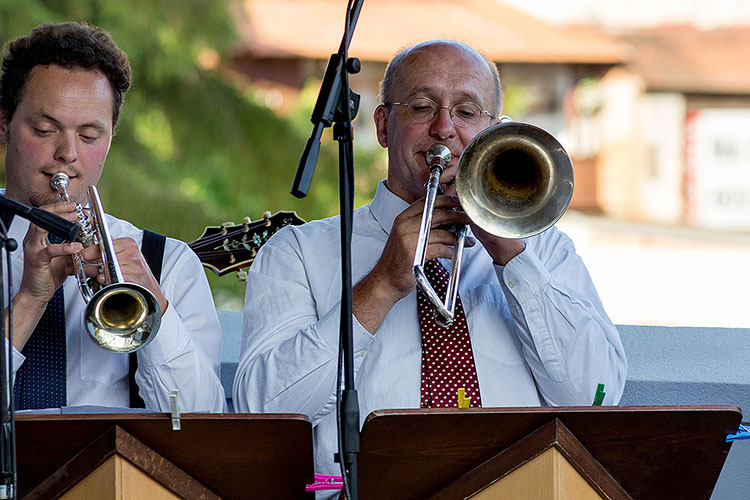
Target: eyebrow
x,y
427,90
95,125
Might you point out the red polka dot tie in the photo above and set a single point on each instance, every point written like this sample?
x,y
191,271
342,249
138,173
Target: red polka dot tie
x,y
447,358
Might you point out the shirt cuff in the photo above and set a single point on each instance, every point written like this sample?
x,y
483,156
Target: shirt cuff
x,y
18,358
523,276
330,325
168,343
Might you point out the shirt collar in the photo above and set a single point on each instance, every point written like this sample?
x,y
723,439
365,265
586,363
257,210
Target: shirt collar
x,y
385,206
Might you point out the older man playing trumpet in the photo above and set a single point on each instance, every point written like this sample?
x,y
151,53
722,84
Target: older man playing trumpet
x,y
529,329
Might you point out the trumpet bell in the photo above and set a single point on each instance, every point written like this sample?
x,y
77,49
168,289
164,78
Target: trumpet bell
x,y
514,180
123,317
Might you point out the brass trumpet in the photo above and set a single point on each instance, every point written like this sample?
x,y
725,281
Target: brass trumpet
x,y
120,317
514,180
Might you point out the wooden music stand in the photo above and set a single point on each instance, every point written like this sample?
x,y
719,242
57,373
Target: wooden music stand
x,y
231,456
643,453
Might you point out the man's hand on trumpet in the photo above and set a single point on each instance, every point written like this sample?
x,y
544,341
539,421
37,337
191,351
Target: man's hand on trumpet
x,y
392,278
502,250
132,264
46,265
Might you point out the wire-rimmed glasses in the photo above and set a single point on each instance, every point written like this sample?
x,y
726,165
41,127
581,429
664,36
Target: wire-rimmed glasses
x,y
424,109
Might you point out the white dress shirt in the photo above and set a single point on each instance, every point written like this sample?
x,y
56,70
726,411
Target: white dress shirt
x,y
184,354
538,330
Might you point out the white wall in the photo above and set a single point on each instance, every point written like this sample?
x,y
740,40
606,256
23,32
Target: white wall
x,y
638,13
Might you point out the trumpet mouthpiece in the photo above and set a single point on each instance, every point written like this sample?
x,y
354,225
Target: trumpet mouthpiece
x,y
60,182
438,153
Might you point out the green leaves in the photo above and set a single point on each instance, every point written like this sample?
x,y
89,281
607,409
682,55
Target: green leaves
x,y
192,149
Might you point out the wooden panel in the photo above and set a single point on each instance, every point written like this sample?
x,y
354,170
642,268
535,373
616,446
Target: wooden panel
x,y
100,484
118,479
548,476
159,469
551,436
137,485
571,485
650,451
535,480
267,456
117,443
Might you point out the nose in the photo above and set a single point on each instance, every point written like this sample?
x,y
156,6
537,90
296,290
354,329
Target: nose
x,y
66,150
442,126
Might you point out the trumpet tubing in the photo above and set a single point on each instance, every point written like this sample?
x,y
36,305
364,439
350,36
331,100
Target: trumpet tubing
x,y
514,180
120,317
438,156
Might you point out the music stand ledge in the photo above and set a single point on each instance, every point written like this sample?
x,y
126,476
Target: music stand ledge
x,y
231,456
646,452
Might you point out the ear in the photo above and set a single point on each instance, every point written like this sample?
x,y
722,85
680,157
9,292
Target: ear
x,y
381,124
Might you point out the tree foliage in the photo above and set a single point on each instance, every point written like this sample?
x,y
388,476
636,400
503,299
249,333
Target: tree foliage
x,y
191,148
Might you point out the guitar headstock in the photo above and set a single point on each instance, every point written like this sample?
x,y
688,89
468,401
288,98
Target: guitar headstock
x,y
231,247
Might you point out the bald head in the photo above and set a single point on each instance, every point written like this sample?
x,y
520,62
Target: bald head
x,y
395,72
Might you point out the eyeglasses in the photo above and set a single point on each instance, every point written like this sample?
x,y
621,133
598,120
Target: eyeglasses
x,y
423,109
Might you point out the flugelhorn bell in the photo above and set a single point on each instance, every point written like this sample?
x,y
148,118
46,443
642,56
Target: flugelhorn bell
x,y
514,180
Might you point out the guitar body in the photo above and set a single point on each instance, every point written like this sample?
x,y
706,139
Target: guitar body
x,y
231,247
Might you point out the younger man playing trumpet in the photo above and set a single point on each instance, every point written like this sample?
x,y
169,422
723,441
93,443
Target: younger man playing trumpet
x,y
61,91
537,332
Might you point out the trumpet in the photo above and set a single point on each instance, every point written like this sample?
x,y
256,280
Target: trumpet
x,y
514,180
120,317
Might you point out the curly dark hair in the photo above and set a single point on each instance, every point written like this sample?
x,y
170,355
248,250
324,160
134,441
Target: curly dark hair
x,y
69,45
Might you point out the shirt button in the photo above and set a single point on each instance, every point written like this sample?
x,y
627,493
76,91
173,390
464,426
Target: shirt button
x,y
512,283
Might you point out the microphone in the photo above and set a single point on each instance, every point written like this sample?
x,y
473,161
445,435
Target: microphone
x,y
46,220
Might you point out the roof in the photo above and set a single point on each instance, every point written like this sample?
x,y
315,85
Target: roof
x,y
690,60
314,28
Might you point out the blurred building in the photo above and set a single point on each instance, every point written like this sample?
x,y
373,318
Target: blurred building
x,y
656,119
285,43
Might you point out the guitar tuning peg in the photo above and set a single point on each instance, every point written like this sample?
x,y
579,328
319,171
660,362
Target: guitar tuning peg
x,y
227,224
241,275
247,220
267,218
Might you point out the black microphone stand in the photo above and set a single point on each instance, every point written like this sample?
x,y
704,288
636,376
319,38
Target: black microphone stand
x,y
8,472
46,220
337,104
66,230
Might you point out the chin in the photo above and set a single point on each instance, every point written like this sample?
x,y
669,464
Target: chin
x,y
44,199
